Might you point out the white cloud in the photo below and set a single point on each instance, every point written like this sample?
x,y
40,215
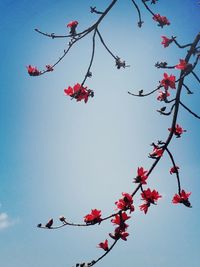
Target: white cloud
x,y
4,221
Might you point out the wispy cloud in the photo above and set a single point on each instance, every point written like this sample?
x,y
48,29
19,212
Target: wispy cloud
x,y
4,221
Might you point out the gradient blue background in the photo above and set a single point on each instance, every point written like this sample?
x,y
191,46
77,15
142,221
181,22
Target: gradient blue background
x,y
63,157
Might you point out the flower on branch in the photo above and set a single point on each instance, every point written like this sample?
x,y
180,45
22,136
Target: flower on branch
x,y
183,198
166,41
177,131
49,224
93,217
150,197
120,64
157,152
168,81
174,169
141,176
119,234
79,92
49,68
103,245
72,25
162,20
125,203
162,95
183,65
33,71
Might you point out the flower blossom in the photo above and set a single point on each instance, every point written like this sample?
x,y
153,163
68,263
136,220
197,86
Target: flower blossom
x,y
33,71
182,65
177,131
162,95
93,217
174,169
125,203
141,176
168,81
166,41
79,92
183,198
157,152
104,245
162,20
72,25
119,234
150,197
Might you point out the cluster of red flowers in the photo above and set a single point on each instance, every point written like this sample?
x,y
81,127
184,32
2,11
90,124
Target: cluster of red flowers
x,y
120,230
125,203
183,198
93,217
150,197
33,71
79,92
166,41
162,20
141,176
177,131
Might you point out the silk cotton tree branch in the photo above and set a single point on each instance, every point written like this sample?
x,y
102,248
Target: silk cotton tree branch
x,y
169,81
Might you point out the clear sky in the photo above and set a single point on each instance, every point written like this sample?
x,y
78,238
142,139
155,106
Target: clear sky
x,y
62,157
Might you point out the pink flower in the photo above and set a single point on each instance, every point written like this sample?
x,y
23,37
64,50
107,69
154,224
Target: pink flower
x,y
162,95
183,198
79,92
33,71
168,81
166,41
93,217
104,245
177,131
162,20
141,176
174,169
119,234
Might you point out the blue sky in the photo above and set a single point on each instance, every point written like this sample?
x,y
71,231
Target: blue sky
x,y
63,157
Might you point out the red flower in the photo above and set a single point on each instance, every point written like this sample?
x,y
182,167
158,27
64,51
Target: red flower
x,y
162,20
125,203
49,68
104,245
166,41
177,131
157,153
72,25
150,197
168,81
119,234
182,65
141,176
93,217
120,218
182,198
162,95
33,71
79,92
144,207
174,169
